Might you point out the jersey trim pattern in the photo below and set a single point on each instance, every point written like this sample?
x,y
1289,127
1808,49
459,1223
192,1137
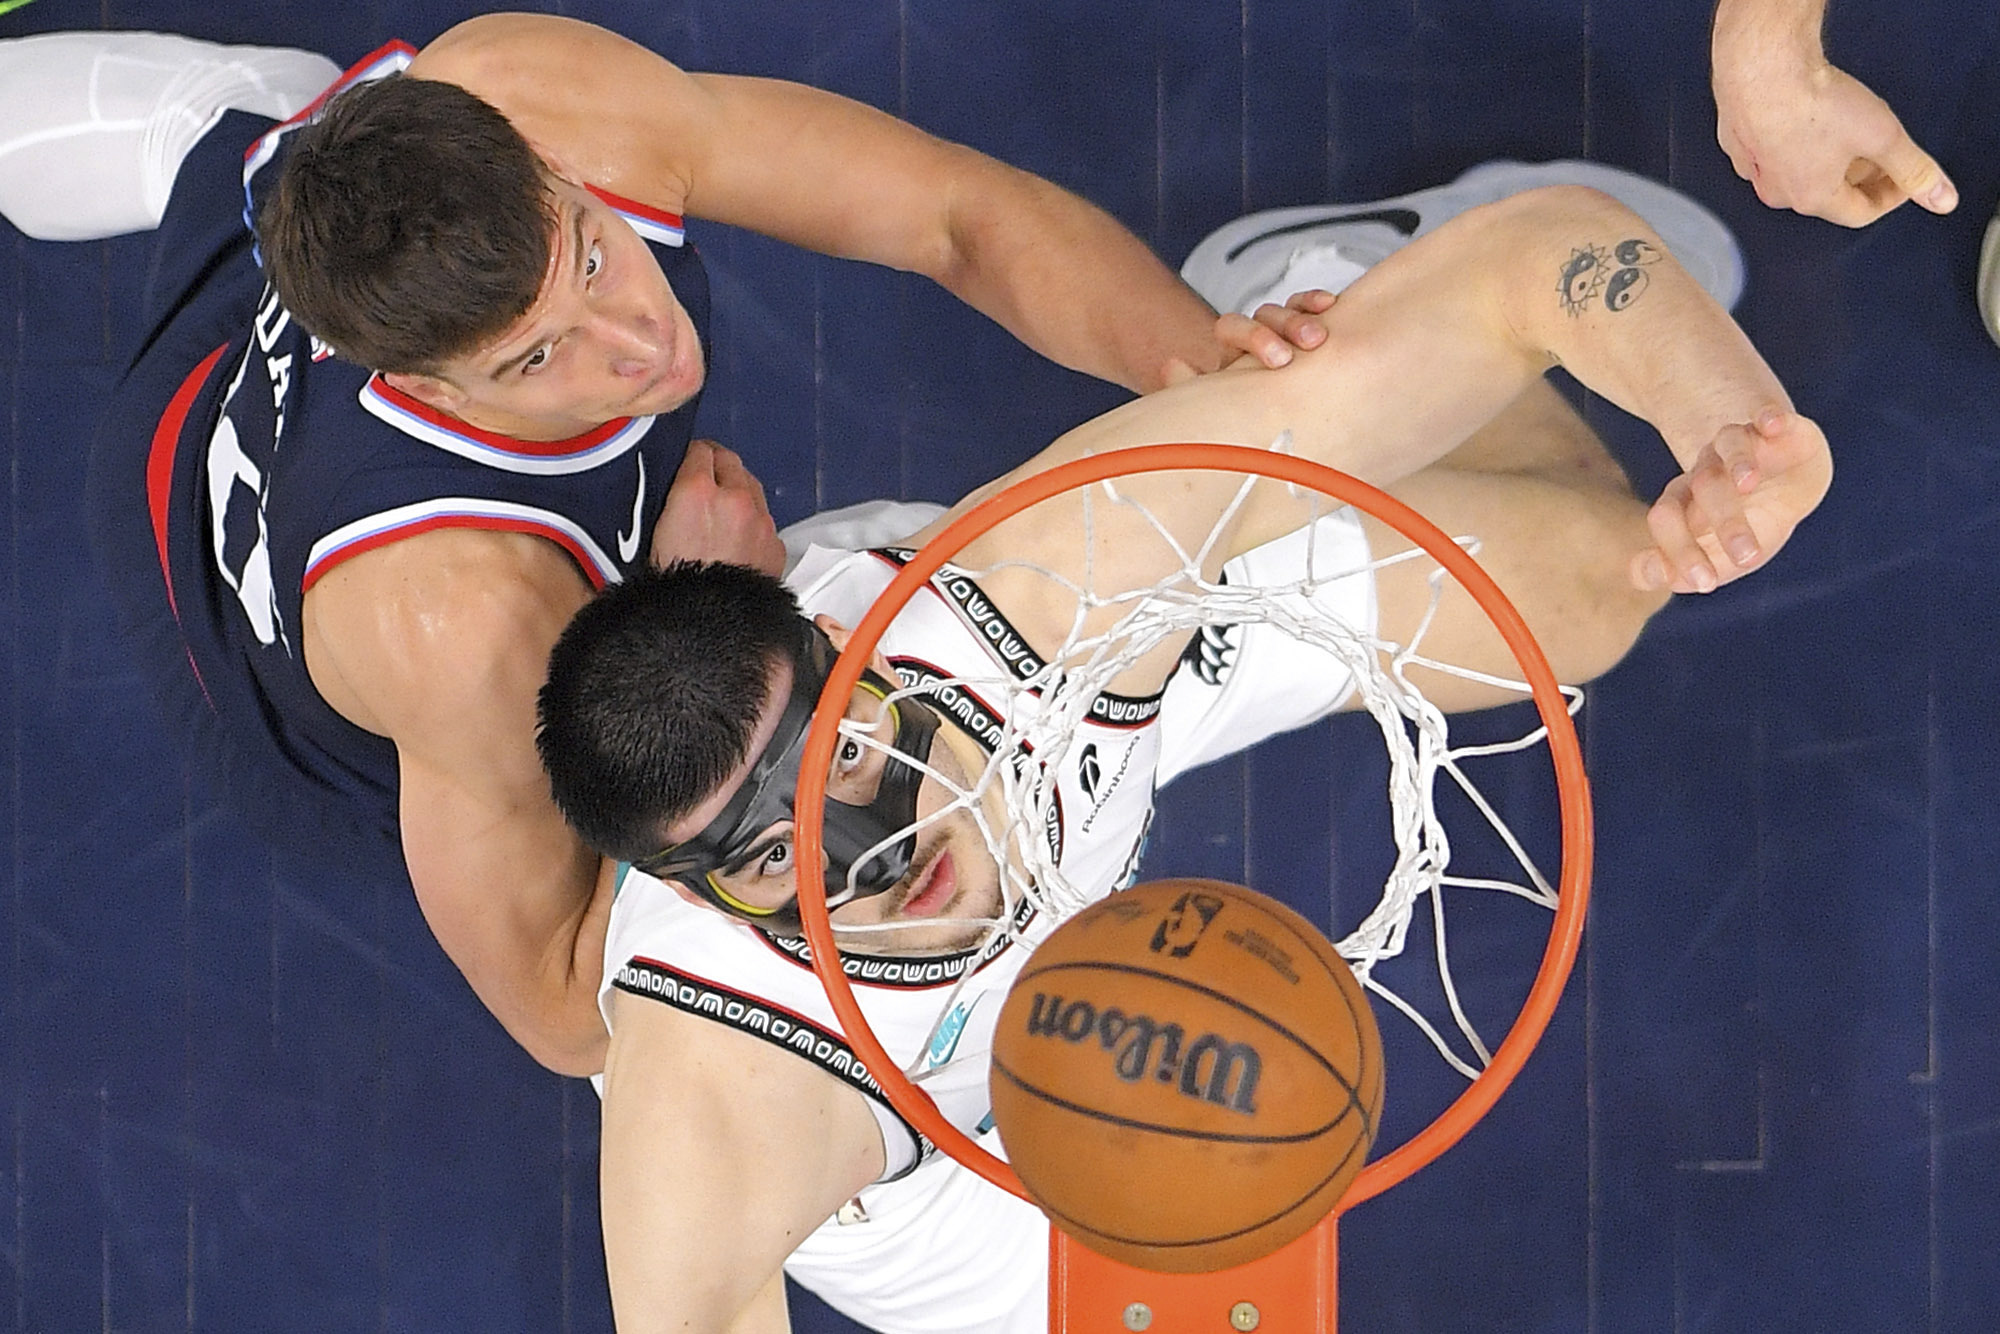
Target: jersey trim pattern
x,y
160,481
541,458
379,530
958,589
655,224
766,1021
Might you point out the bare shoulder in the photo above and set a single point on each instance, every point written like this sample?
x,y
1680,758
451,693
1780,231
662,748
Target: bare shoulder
x,y
600,108
502,50
731,1147
783,1141
414,636
775,1136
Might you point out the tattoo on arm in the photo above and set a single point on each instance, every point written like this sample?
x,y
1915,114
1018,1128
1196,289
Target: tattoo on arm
x,y
1617,274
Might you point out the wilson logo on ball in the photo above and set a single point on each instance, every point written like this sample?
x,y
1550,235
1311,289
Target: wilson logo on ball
x,y
1211,1068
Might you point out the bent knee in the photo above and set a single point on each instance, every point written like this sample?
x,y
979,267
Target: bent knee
x,y
1617,617
1607,611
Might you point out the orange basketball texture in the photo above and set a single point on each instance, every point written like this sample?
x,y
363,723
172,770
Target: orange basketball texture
x,y
1186,1076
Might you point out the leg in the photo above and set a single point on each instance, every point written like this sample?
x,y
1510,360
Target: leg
x,y
93,126
1554,512
1556,523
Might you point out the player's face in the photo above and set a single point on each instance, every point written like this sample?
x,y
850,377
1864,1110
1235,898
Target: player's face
x,y
952,883
606,337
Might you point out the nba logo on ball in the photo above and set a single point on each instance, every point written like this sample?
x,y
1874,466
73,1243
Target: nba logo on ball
x,y
1186,1076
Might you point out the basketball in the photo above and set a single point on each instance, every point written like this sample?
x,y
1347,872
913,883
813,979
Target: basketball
x,y
1186,1076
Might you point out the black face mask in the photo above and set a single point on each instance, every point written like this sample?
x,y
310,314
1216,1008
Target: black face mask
x,y
769,794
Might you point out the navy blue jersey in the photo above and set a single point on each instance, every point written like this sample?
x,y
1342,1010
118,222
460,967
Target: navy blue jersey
x,y
266,462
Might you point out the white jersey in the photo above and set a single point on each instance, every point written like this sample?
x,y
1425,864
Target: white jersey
x,y
695,959
931,1248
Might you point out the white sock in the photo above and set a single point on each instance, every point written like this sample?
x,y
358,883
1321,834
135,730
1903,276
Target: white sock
x,y
93,126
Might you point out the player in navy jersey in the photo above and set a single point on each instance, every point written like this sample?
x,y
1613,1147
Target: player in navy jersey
x,y
416,376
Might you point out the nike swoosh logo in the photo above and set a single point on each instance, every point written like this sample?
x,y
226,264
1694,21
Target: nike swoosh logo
x,y
628,543
1404,220
945,1042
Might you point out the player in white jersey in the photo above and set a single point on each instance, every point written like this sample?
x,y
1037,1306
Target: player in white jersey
x,y
934,1248
676,706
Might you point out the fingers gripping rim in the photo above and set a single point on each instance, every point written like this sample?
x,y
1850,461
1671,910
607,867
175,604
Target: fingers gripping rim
x,y
1573,886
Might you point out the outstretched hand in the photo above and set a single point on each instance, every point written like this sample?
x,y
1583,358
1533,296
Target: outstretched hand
x,y
715,510
1812,138
1736,503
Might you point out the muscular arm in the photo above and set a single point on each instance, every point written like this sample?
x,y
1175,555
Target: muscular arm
x,y
440,643
839,177
1423,350
721,1153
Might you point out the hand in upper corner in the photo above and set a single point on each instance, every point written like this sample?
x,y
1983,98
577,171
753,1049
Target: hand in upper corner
x,y
1736,504
1809,136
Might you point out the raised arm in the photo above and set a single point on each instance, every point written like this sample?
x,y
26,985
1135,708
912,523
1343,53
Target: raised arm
x,y
720,1153
839,177
1430,345
1808,135
1572,277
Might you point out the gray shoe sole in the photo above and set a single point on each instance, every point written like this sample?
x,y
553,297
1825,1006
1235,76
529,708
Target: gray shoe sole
x,y
1989,279
1238,264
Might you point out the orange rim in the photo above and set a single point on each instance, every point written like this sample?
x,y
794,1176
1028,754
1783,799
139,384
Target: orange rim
x,y
1573,885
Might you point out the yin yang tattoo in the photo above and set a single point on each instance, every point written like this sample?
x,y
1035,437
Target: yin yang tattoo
x,y
1615,275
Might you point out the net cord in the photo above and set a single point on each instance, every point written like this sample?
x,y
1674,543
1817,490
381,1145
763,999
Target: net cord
x,y
1058,697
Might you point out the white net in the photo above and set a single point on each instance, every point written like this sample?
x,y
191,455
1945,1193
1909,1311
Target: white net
x,y
1040,712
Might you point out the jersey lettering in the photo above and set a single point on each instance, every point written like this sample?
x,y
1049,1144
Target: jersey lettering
x,y
235,481
239,490
272,317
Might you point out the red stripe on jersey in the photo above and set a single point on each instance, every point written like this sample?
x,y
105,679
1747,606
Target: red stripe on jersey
x,y
486,522
505,444
633,206
160,473
160,460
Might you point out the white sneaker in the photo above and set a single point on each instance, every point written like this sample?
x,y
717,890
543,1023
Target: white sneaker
x,y
1268,256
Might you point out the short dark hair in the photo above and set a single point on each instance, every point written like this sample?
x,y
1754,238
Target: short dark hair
x,y
654,692
410,223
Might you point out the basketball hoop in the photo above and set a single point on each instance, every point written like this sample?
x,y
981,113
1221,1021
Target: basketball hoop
x,y
1570,889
